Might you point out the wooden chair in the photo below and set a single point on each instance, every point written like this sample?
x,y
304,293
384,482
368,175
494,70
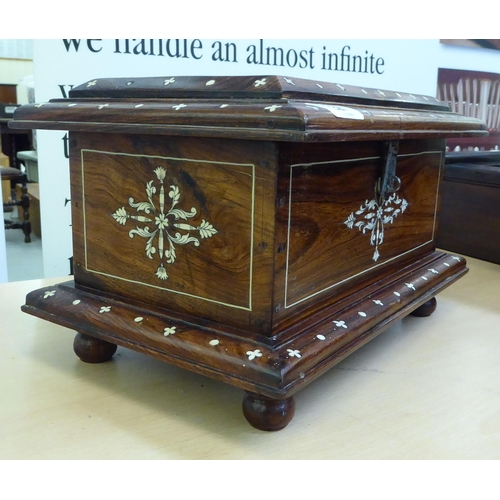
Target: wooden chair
x,y
16,176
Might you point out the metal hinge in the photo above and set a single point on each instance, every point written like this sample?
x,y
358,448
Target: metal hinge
x,y
389,182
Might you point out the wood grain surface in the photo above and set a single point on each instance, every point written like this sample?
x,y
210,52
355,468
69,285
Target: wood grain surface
x,y
321,186
470,221
231,185
256,107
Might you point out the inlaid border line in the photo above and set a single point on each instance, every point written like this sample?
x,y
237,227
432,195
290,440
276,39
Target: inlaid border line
x,y
287,306
290,214
252,223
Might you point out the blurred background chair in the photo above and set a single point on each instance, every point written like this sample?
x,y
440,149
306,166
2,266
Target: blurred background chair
x,y
16,176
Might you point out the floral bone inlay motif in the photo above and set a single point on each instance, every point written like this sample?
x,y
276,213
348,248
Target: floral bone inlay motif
x,y
169,330
165,223
376,216
254,354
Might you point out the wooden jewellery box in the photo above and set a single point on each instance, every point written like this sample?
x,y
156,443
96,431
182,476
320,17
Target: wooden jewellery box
x,y
253,229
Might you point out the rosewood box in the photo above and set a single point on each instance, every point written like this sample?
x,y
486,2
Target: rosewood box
x,y
252,229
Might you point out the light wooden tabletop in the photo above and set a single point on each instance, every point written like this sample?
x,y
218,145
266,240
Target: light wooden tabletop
x,y
426,388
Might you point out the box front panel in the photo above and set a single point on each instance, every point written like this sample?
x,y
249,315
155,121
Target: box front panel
x,y
174,222
337,233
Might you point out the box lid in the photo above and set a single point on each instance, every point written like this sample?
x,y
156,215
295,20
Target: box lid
x,y
247,107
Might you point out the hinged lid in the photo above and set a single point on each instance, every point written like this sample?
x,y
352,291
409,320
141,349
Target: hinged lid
x,y
248,87
247,107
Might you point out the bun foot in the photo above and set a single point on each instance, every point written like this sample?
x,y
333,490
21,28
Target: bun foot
x,y
425,309
268,414
93,350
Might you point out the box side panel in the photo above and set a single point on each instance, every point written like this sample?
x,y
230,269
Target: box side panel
x,y
179,223
335,235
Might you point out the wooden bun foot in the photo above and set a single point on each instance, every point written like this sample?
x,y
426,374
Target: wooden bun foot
x,y
93,350
268,414
425,309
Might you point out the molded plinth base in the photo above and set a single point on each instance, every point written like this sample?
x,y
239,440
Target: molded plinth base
x,y
271,370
